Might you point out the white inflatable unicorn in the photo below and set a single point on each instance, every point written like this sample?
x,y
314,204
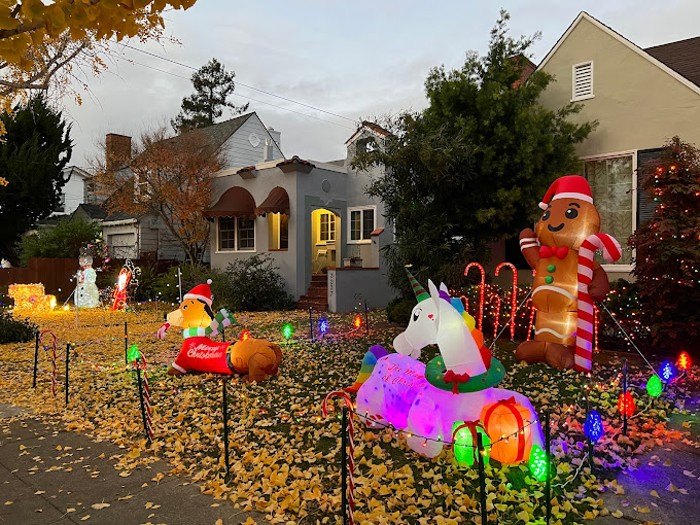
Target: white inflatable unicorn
x,y
457,385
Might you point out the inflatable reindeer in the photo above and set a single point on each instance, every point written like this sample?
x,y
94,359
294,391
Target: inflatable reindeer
x,y
457,385
255,359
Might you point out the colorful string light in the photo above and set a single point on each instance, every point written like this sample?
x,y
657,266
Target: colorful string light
x,y
482,284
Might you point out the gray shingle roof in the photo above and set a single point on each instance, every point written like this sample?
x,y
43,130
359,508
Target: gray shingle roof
x,y
682,56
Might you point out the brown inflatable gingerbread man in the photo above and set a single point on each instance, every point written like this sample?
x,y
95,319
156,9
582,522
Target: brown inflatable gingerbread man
x,y
566,283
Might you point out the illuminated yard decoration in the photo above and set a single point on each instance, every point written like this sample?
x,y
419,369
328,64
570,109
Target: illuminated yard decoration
x,y
357,321
684,362
654,386
31,297
667,371
245,335
464,442
425,401
593,426
323,326
538,465
626,405
287,330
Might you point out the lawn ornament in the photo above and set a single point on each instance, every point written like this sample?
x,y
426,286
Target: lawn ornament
x,y
86,293
128,277
456,386
256,359
31,297
567,279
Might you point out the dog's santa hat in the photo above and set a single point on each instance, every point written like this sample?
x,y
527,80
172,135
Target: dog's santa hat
x,y
201,292
568,187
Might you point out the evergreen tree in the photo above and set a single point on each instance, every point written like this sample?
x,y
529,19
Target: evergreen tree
x,y
213,85
470,168
33,153
667,265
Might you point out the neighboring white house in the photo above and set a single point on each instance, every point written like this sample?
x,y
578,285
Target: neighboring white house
x,y
312,218
244,140
74,190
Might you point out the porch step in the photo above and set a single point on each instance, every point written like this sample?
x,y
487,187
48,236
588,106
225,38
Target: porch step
x,y
317,295
320,305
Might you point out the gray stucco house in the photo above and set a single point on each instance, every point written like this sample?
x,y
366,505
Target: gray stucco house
x,y
314,219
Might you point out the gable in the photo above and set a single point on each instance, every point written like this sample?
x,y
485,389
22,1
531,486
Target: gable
x,y
246,146
637,103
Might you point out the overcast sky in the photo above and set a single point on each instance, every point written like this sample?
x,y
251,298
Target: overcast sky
x,y
358,59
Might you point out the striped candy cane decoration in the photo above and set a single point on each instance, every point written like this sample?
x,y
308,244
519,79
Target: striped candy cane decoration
x,y
583,356
351,447
53,346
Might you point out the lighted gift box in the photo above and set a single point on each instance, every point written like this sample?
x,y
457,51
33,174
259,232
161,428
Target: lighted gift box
x,y
31,297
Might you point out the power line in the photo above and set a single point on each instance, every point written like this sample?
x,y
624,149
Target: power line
x,y
160,57
131,61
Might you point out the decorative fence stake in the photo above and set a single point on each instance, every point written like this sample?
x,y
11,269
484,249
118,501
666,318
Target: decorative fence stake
x,y
347,455
142,402
311,325
482,478
68,345
366,318
126,343
548,480
224,409
36,358
624,394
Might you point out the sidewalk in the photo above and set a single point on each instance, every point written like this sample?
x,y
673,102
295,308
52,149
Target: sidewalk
x,y
52,476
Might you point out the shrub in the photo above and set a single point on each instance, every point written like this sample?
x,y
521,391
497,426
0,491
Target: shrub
x,y
257,285
64,240
15,330
399,310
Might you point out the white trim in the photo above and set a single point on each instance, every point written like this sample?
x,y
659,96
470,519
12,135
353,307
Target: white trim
x,y
329,241
178,368
622,267
573,195
121,222
349,228
574,98
583,15
235,237
556,289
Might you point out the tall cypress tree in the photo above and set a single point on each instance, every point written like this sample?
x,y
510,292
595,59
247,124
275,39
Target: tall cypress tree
x,y
667,265
33,153
213,85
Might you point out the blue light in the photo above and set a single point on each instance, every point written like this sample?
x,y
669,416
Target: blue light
x,y
667,371
323,326
593,426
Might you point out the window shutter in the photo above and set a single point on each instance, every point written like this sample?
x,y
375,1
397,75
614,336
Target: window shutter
x,y
582,81
647,160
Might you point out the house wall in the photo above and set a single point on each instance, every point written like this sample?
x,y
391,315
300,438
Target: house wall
x,y
122,239
637,104
73,191
240,152
259,187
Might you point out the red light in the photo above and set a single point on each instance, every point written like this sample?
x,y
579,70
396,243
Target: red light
x,y
245,335
684,362
357,321
626,405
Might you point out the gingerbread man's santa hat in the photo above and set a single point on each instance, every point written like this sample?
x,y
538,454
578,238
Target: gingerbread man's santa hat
x,y
201,292
568,187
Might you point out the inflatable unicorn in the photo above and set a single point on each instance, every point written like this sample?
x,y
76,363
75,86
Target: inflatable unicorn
x,y
458,385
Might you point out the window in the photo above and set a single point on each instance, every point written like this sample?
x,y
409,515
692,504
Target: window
x,y
278,231
236,234
582,81
613,182
327,230
362,222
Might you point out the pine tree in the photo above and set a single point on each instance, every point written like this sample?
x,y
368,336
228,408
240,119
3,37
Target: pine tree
x,y
33,153
213,85
667,265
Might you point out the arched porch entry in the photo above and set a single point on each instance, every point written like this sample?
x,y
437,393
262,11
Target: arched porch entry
x,y
325,240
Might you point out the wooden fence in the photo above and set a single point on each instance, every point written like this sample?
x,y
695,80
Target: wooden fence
x,y
54,274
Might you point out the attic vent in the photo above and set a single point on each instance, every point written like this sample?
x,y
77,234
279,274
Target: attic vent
x,y
582,81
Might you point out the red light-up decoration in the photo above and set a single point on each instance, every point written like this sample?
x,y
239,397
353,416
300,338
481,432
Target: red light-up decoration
x,y
496,313
245,335
626,405
482,284
683,363
120,296
357,321
513,293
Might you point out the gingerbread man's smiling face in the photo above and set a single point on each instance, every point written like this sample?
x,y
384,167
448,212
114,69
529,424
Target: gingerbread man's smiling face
x,y
567,222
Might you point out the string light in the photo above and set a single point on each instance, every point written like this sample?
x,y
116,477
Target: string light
x,y
684,362
287,330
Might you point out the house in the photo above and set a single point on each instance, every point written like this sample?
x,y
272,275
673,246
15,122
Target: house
x,y
74,191
314,219
640,98
244,140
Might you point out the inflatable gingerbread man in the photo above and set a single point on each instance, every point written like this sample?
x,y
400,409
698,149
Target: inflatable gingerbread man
x,y
567,279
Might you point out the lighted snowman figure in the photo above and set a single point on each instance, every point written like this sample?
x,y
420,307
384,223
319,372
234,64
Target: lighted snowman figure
x,y
86,293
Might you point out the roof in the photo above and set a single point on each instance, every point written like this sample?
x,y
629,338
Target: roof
x,y
71,170
644,53
215,135
93,211
119,216
370,126
682,56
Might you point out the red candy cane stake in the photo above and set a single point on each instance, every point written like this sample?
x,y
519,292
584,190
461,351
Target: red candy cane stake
x,y
351,448
53,346
513,293
482,284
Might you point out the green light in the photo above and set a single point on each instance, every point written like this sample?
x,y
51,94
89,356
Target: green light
x,y
538,463
654,386
287,330
133,354
463,436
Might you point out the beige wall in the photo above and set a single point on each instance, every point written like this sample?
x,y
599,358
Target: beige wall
x,y
637,104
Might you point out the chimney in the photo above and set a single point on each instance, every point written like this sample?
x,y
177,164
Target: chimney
x,y
117,151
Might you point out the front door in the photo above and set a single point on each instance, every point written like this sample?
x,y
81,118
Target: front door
x,y
325,240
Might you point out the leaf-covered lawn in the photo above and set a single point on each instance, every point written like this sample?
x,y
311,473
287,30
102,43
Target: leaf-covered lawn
x,y
285,455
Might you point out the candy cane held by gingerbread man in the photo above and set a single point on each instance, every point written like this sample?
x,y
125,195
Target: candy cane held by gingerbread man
x,y
567,279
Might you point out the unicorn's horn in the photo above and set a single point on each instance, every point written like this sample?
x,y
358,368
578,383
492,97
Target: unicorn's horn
x,y
421,294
